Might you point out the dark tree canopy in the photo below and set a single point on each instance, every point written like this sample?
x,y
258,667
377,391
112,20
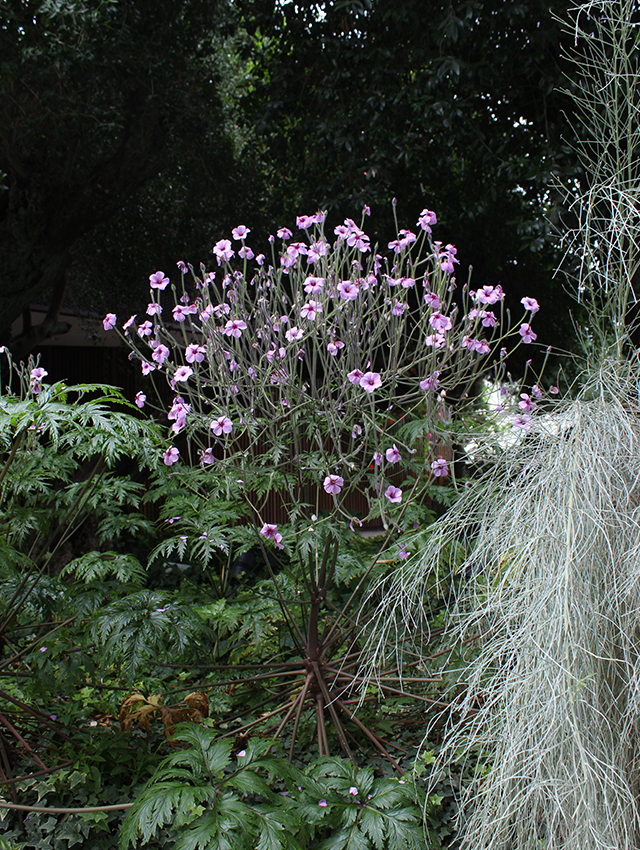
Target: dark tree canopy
x,y
96,99
450,105
136,134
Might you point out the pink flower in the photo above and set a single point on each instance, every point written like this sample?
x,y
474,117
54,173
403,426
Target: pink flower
x,y
154,309
527,404
223,250
355,376
407,282
435,340
140,399
440,323
182,373
399,307
128,323
194,353
527,334
426,218
431,300
393,455
323,803
530,304
394,494
147,367
294,333
240,232
284,233
403,554
160,354
145,329
440,468
536,392
490,294
157,280
554,390
334,347
260,259
488,318
109,321
370,381
171,456
245,253
234,327
221,425
333,484
522,422
348,290
313,285
37,374
270,532
310,310
377,458
431,382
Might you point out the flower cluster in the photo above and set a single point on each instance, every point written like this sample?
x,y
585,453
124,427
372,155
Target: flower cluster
x,y
329,338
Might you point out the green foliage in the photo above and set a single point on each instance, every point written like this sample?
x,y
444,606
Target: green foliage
x,y
216,799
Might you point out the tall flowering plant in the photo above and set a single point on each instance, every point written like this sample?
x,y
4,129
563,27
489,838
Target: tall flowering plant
x,y
318,372
306,371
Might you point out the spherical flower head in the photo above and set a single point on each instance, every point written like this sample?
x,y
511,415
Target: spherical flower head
x,y
393,454
370,381
240,232
171,456
530,304
182,373
157,280
355,375
221,425
109,321
440,468
393,494
270,532
333,484
527,334
140,399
